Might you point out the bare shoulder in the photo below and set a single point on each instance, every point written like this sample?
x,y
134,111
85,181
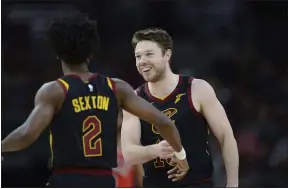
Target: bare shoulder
x,y
124,90
52,93
122,85
51,89
119,83
52,85
201,90
117,80
201,85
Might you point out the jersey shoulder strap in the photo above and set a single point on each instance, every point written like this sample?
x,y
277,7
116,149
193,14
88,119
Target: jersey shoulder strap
x,y
140,91
186,82
111,84
64,83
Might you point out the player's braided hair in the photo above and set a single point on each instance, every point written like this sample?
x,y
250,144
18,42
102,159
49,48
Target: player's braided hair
x,y
157,35
73,39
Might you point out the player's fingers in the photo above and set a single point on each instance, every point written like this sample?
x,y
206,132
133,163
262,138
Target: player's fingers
x,y
172,170
179,176
171,176
174,174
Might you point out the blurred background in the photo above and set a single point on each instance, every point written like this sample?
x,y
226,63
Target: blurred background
x,y
239,46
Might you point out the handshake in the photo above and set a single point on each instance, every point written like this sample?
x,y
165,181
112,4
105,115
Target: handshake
x,y
164,151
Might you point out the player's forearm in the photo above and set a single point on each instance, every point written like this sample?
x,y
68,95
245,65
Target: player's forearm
x,y
17,140
231,159
138,154
170,133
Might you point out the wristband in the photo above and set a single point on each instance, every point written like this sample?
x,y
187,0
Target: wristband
x,y
181,155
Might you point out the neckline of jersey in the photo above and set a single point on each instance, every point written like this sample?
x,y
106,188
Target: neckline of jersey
x,y
168,97
78,77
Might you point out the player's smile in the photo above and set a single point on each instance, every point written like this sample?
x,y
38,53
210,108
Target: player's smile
x,y
146,69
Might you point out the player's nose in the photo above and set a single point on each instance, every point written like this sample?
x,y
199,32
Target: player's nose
x,y
142,61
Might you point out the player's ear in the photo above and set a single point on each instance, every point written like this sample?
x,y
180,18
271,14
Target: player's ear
x,y
167,55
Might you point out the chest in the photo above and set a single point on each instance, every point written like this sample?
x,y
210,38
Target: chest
x,y
177,109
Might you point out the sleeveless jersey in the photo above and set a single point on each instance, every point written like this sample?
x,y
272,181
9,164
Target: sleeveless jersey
x,y
194,133
83,134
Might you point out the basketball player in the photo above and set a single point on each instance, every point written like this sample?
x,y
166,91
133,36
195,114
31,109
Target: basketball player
x,y
189,102
84,111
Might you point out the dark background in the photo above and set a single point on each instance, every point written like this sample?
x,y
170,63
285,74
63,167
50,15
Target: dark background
x,y
239,46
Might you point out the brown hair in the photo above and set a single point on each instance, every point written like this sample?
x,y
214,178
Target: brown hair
x,y
159,36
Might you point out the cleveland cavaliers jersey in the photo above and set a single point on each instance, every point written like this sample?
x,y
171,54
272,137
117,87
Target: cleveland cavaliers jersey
x,y
194,133
83,134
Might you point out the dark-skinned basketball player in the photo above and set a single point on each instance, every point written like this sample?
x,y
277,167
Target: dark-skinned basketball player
x,y
84,111
188,101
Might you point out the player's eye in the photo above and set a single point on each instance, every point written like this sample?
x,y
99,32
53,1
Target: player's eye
x,y
149,54
137,56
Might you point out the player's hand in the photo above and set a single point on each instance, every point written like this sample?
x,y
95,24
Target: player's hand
x,y
164,150
179,171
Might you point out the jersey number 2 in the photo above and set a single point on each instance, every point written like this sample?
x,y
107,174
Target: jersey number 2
x,y
91,129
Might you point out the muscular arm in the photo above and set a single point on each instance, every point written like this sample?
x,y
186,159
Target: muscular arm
x,y
46,100
221,128
144,110
133,151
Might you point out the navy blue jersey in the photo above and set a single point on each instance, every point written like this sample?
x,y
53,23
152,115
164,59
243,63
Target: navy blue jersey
x,y
194,133
83,134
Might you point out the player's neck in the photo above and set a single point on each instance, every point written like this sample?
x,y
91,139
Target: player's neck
x,y
75,69
165,85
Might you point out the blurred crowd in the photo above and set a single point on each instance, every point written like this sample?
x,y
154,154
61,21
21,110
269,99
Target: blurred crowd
x,y
238,47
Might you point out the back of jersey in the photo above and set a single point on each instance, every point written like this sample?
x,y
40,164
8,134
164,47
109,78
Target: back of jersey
x,y
83,134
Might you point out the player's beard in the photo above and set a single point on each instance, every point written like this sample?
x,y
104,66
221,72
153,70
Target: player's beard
x,y
155,76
